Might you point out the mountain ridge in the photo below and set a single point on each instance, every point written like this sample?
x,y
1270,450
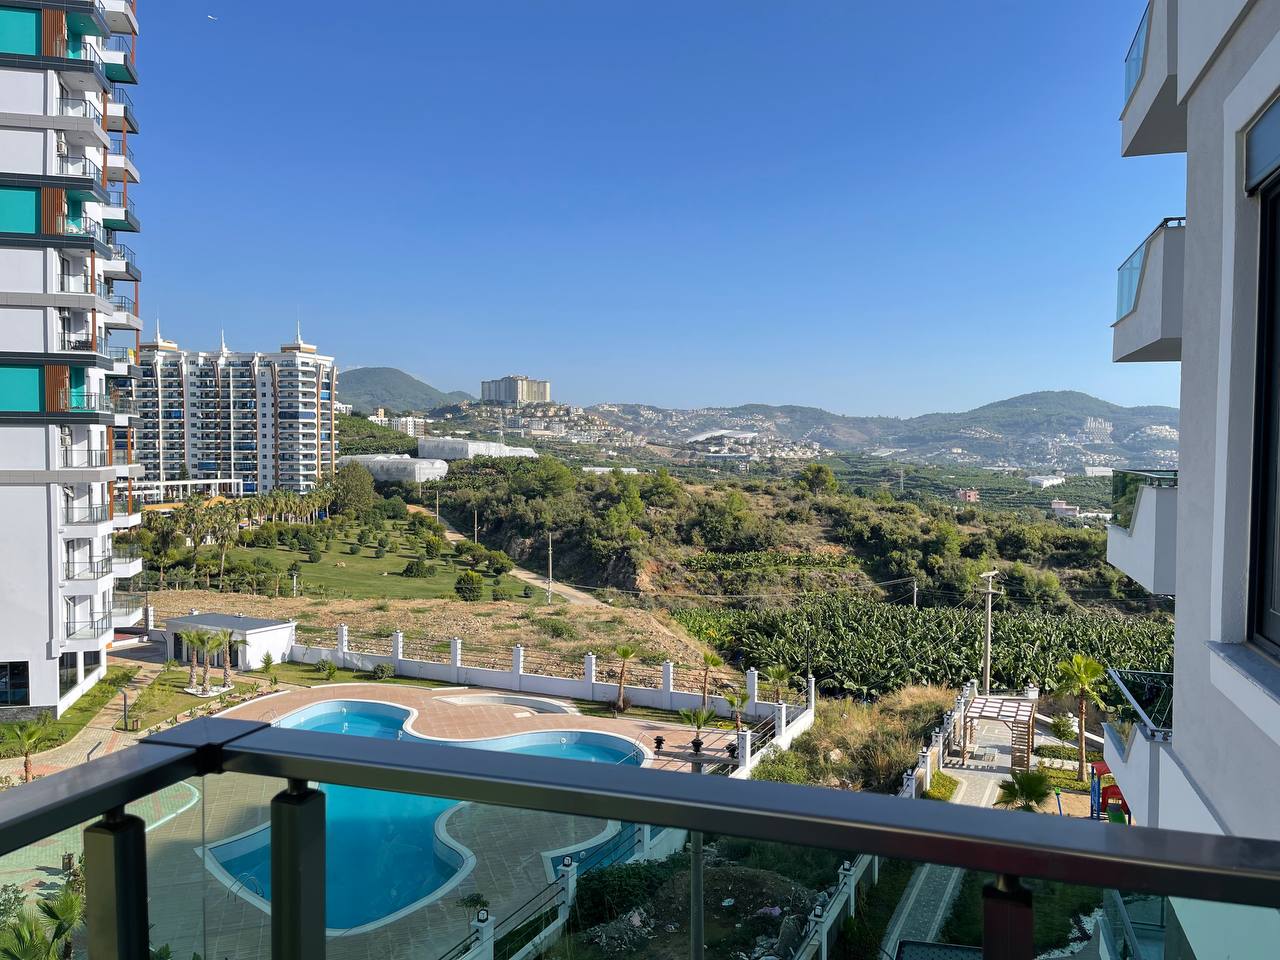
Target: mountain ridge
x,y
367,388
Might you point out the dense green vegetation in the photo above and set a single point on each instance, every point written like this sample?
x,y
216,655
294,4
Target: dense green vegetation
x,y
866,649
77,716
360,436
654,534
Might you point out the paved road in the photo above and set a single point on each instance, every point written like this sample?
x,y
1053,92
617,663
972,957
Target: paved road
x,y
569,594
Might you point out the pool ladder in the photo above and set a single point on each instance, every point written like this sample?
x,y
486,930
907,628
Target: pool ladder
x,y
246,881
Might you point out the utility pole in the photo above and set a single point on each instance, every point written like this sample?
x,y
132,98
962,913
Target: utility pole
x,y
475,525
548,568
902,478
437,504
915,593
990,592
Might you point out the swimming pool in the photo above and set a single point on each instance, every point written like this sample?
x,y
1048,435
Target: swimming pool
x,y
388,853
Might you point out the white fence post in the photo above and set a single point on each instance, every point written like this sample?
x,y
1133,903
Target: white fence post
x,y
455,658
744,748
484,937
397,649
668,684
589,676
780,723
924,763
569,877
517,665
753,686
340,654
813,693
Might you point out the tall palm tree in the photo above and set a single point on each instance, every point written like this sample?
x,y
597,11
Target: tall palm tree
x,y
737,700
165,537
1024,790
225,527
193,519
27,737
62,915
1082,678
226,640
24,938
778,676
625,654
199,643
710,661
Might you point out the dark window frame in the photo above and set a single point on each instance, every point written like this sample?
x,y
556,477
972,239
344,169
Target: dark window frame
x,y
8,688
1264,558
64,671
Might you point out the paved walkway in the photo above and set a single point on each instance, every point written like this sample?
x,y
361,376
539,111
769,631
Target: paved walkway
x,y
926,902
99,736
569,594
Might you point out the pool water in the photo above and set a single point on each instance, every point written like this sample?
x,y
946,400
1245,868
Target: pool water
x,y
383,854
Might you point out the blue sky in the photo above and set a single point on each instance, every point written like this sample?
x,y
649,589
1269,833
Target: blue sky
x,y
686,204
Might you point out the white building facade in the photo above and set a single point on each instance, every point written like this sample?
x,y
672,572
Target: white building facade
x,y
1203,77
456,448
399,468
515,390
262,420
69,325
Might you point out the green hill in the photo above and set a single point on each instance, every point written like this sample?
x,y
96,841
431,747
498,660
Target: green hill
x,y
367,388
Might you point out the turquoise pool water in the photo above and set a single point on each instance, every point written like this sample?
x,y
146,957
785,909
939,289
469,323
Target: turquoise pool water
x,y
384,854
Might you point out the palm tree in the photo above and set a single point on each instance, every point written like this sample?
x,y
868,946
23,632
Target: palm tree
x,y
698,717
225,527
62,915
226,640
737,700
1024,790
27,737
1082,679
164,539
710,661
779,676
625,653
200,644
24,938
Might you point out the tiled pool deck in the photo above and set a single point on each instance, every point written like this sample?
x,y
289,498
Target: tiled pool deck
x,y
192,910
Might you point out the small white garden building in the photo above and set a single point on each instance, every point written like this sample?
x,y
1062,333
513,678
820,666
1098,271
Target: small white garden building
x,y
257,637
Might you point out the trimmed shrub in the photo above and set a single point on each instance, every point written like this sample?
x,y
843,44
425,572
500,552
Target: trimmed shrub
x,y
469,585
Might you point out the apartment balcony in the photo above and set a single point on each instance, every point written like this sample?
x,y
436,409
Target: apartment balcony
x,y
96,293
88,628
80,233
80,122
121,263
1137,746
118,59
126,512
120,115
121,16
1142,538
121,164
126,610
82,459
81,178
124,314
123,358
126,560
79,66
85,515
120,213
1149,297
519,805
1153,121
84,578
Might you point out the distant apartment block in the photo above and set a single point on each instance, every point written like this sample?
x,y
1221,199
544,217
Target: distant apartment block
x,y
266,420
69,289
1099,471
343,408
1061,508
515,390
968,496
409,425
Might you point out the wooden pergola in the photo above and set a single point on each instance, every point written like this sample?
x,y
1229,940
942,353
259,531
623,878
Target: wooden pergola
x,y
1017,713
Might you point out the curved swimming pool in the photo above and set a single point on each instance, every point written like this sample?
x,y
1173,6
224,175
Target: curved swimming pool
x,y
388,853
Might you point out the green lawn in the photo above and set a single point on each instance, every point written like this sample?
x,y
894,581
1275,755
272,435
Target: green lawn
x,y
305,675
165,697
363,575
79,714
590,708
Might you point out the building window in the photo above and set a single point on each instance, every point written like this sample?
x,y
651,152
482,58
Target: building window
x,y
68,673
1265,568
15,687
92,661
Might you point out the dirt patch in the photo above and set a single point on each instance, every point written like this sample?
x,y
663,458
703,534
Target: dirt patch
x,y
564,631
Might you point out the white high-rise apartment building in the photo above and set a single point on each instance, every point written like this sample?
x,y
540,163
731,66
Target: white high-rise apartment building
x,y
256,420
1203,78
516,390
68,335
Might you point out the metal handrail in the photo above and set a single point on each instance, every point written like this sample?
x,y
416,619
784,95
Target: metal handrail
x,y
79,167
1122,678
90,513
123,303
1125,485
116,198
80,226
82,50
1135,60
84,109
82,283
84,459
87,569
84,629
120,95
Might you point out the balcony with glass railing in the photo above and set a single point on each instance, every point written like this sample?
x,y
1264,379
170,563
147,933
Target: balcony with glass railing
x,y
1137,739
126,559
87,569
80,226
124,311
120,111
79,109
83,168
1142,537
1153,121
327,844
82,283
85,513
72,459
126,609
88,628
120,212
118,59
1148,322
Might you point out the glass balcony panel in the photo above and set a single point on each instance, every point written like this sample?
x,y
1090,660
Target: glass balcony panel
x,y
1133,61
